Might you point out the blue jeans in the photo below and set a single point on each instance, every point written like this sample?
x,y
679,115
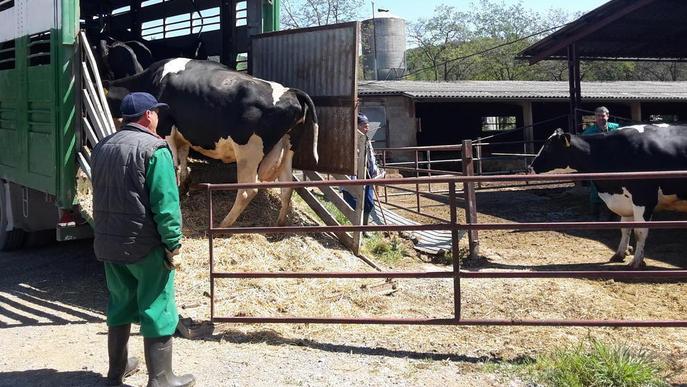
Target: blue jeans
x,y
368,205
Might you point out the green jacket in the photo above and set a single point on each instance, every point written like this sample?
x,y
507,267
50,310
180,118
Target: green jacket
x,y
612,126
161,183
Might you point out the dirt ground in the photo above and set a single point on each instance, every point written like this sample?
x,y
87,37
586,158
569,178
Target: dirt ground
x,y
52,302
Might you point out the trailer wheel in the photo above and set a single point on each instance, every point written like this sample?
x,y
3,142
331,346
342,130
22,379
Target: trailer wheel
x,y
11,239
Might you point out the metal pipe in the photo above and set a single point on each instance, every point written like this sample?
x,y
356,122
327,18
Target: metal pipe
x,y
462,179
461,322
455,256
417,186
211,254
423,148
311,229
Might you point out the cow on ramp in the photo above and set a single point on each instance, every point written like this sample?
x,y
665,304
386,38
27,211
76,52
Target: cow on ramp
x,y
229,116
639,148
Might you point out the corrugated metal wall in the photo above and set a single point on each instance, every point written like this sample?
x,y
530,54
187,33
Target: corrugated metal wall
x,y
323,62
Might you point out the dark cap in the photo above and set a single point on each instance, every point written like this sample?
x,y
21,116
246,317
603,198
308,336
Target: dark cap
x,y
135,104
362,119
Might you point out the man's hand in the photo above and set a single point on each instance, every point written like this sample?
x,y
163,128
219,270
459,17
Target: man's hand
x,y
172,259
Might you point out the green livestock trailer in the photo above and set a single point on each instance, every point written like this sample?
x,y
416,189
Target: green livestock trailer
x,y
42,89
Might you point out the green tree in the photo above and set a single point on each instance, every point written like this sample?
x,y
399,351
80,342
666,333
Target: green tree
x,y
437,40
309,13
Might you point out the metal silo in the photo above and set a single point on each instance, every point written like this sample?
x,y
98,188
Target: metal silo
x,y
390,33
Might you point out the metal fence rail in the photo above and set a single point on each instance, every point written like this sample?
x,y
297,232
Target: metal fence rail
x,y
456,273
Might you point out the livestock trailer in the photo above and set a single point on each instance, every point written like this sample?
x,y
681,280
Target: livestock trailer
x,y
40,88
53,108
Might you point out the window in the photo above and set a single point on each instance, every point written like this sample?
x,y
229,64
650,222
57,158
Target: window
x,y
7,55
39,49
242,62
181,25
498,123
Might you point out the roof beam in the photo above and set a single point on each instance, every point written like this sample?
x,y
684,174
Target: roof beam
x,y
633,6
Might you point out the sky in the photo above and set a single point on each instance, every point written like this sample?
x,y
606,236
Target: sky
x,y
414,9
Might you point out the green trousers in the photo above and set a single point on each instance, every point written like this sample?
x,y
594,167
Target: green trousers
x,y
142,292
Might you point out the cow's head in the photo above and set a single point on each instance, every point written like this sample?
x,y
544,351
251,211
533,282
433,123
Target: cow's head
x,y
558,154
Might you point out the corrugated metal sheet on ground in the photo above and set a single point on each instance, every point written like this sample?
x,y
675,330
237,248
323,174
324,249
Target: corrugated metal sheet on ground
x,y
430,242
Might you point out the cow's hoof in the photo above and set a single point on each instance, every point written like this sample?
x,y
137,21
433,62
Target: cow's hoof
x,y
641,266
618,258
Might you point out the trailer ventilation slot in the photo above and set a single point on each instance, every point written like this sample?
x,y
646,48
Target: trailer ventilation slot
x,y
6,4
39,49
7,55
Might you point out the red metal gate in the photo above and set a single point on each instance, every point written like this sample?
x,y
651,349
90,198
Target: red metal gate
x,y
457,274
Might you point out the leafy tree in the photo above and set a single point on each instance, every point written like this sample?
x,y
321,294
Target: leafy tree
x,y
309,13
438,39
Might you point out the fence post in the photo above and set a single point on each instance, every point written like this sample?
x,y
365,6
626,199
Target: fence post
x,y
455,255
417,174
386,195
359,190
211,254
478,150
469,195
429,167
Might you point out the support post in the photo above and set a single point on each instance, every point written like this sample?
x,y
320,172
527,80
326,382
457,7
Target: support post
x,y
469,196
528,121
636,111
574,85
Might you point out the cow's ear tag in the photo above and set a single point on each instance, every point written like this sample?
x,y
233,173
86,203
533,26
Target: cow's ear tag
x,y
106,91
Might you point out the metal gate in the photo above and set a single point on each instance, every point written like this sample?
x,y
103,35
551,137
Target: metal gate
x,y
323,62
456,273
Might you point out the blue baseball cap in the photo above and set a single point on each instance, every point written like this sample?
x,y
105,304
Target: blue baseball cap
x,y
362,119
135,104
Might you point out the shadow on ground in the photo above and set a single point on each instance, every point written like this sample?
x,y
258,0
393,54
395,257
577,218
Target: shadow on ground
x,y
50,377
273,338
58,284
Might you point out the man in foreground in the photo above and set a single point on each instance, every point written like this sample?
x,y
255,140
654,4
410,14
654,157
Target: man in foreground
x,y
137,236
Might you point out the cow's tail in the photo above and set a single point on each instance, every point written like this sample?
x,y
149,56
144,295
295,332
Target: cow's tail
x,y
309,118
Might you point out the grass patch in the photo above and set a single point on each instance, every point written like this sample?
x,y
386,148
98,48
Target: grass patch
x,y
592,364
331,208
388,250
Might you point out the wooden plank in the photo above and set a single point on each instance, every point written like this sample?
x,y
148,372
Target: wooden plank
x,y
332,195
359,192
99,86
322,212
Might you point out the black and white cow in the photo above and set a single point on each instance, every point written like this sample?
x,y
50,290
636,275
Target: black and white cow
x,y
631,149
229,116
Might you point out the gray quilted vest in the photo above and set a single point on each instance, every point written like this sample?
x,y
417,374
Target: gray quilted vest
x,y
125,231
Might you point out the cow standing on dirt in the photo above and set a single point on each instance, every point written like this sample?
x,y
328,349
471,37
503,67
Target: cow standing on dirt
x,y
229,116
630,149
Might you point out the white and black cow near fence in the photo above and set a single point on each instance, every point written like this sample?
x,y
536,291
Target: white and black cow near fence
x,y
631,149
229,116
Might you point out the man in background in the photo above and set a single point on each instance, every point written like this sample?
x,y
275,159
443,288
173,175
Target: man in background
x,y
601,125
371,172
